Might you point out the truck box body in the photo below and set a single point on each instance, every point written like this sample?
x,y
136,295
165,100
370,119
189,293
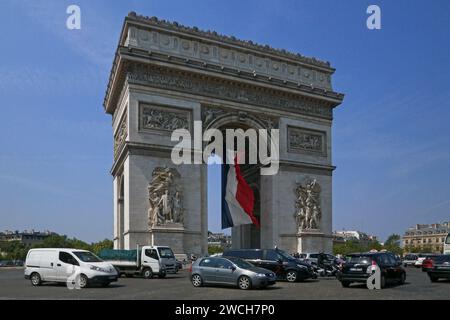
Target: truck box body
x,y
158,260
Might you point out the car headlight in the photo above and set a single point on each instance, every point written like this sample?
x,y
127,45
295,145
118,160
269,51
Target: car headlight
x,y
95,268
261,275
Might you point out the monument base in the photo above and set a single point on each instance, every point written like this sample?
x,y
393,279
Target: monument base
x,y
314,241
171,235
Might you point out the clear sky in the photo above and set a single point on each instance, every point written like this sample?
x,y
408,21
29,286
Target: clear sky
x,y
391,136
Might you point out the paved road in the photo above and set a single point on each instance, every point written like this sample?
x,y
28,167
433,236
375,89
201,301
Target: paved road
x,y
418,286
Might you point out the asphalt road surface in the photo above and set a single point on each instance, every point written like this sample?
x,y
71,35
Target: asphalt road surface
x,y
418,286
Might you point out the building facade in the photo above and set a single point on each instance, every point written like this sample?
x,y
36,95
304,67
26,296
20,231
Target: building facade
x,y
353,235
26,237
426,237
166,76
220,240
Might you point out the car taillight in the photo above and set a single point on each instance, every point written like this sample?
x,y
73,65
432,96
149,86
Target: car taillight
x,y
374,263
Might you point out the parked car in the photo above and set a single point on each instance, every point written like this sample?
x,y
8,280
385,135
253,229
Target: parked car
x,y
440,268
410,259
57,265
357,268
313,257
421,257
230,271
278,261
18,263
427,263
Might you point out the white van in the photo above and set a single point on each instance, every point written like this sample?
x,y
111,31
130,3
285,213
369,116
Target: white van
x,y
57,265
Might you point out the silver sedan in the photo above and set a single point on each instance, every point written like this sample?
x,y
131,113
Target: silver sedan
x,y
230,271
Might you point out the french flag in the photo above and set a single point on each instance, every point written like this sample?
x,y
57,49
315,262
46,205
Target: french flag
x,y
237,198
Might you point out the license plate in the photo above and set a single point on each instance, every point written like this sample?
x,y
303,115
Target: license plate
x,y
356,269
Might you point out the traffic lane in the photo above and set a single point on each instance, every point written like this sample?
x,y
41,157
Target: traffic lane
x,y
418,286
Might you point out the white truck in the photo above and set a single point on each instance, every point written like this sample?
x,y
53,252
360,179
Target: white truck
x,y
146,261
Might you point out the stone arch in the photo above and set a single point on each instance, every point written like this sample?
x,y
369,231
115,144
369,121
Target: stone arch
x,y
246,236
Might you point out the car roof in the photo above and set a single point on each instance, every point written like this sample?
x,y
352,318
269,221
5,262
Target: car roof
x,y
366,254
58,249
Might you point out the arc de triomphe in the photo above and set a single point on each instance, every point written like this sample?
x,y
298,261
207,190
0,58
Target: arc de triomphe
x,y
164,77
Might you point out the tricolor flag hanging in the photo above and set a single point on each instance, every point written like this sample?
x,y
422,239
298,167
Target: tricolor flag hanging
x,y
237,198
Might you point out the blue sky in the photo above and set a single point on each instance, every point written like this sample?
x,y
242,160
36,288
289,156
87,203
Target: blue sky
x,y
391,136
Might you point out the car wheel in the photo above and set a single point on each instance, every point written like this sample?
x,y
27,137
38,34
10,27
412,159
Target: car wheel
x,y
162,275
291,276
403,278
196,280
35,279
345,284
434,279
105,284
147,273
244,283
83,281
383,282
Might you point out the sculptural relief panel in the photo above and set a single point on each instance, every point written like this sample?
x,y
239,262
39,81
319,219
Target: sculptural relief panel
x,y
162,118
308,207
165,198
302,140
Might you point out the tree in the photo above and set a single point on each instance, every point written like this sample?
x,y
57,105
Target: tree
x,y
214,250
99,246
392,239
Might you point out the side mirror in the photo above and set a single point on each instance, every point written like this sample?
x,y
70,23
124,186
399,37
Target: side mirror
x,y
233,268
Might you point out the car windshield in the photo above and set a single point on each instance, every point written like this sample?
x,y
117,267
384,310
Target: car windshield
x,y
358,259
166,253
241,263
87,256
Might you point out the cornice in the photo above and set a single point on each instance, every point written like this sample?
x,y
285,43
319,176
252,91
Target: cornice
x,y
231,40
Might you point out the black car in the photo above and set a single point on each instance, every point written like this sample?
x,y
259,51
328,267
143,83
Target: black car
x,y
281,263
356,268
440,268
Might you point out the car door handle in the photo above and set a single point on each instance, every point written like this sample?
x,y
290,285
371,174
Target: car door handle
x,y
51,264
59,265
145,261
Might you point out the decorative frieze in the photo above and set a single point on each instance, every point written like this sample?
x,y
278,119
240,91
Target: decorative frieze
x,y
213,87
302,140
162,118
165,37
121,135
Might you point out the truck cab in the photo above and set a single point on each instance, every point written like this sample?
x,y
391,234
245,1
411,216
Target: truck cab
x,y
151,255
